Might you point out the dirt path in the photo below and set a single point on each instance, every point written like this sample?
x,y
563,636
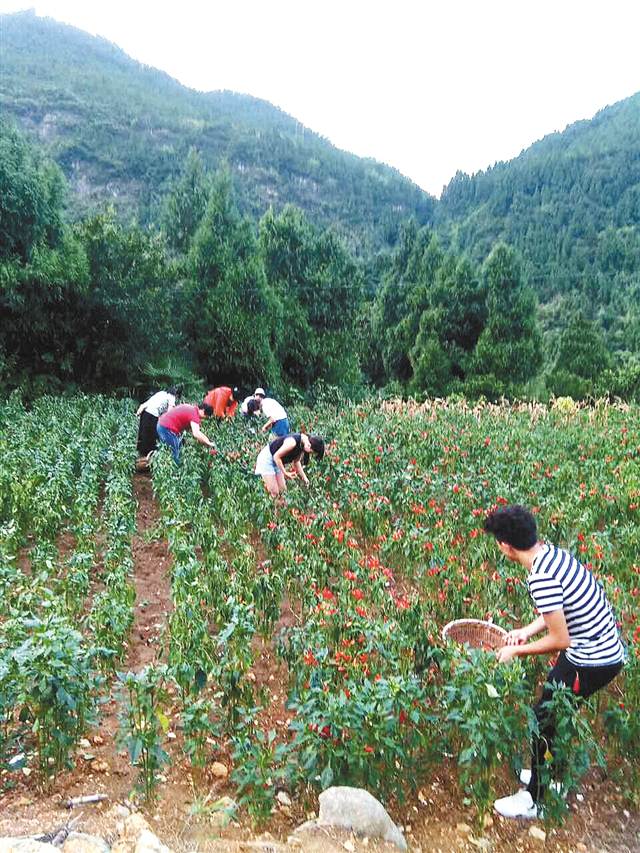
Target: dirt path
x,y
152,563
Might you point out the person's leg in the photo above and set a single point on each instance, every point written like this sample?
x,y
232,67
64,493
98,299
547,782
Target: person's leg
x,y
271,484
282,483
172,440
563,672
584,681
147,435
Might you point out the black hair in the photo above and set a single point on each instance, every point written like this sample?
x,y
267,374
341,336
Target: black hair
x,y
207,409
514,525
317,445
235,393
175,390
252,407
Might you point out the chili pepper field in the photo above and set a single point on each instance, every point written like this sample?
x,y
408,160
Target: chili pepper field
x,y
177,637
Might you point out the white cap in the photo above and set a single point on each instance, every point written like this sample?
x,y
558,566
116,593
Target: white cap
x,y
259,391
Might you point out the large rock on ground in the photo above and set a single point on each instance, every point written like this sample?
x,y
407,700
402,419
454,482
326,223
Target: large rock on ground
x,y
137,837
25,845
357,810
80,842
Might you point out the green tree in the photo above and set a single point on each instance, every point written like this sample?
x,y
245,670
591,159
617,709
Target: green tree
x,y
582,349
186,203
230,309
320,288
509,350
129,306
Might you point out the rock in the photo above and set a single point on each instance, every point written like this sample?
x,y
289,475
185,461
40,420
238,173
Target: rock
x,y
581,848
99,766
487,822
25,845
357,810
263,846
148,842
350,846
134,826
83,743
463,829
283,798
98,740
80,842
538,834
219,770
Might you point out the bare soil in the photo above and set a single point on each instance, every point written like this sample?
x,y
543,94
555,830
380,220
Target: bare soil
x,y
434,819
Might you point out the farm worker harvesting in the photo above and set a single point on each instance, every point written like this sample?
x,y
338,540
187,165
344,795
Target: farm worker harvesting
x,y
223,401
149,412
173,423
286,450
256,398
578,623
277,418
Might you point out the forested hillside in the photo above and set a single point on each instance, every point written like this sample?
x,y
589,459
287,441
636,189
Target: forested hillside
x,y
151,233
120,132
570,204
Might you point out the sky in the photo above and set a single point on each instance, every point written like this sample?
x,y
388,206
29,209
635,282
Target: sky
x,y
428,86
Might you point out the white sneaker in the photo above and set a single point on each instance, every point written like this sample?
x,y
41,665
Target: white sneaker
x,y
525,778
517,805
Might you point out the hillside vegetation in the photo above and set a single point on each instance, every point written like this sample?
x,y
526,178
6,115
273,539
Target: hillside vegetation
x,y
120,131
246,246
570,204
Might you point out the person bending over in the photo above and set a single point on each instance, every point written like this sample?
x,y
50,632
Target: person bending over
x,y
149,412
174,422
223,401
293,450
575,620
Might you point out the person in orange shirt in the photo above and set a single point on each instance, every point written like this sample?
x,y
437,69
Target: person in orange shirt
x,y
223,401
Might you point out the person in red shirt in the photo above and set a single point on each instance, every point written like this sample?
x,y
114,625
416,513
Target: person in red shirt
x,y
223,401
173,423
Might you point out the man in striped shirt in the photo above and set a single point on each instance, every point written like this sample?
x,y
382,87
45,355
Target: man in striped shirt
x,y
578,623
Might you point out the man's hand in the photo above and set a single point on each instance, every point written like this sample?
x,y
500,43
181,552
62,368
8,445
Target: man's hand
x,y
516,637
506,653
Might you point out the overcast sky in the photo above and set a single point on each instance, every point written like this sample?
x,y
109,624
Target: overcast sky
x,y
427,87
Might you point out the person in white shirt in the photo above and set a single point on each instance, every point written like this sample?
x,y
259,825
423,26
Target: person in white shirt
x,y
257,396
276,415
149,412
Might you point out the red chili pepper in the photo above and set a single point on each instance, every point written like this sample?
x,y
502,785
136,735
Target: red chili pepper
x,y
576,683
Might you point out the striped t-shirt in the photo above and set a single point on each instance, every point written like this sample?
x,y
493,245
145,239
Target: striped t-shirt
x,y
558,580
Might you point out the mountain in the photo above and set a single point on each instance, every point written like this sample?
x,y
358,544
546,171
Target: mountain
x,y
570,204
120,132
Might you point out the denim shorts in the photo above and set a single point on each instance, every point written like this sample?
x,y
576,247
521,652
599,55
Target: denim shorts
x,y
265,464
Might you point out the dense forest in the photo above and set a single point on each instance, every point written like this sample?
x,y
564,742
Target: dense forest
x,y
150,233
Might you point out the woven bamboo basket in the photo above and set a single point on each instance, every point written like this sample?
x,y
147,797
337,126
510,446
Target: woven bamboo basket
x,y
475,633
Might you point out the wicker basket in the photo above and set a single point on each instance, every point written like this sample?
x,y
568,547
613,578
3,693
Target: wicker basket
x,y
475,633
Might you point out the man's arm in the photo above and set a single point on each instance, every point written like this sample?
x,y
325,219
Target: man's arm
x,y
555,640
521,635
268,425
199,435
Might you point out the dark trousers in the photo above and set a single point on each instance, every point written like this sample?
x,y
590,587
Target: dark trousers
x,y
590,679
147,435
